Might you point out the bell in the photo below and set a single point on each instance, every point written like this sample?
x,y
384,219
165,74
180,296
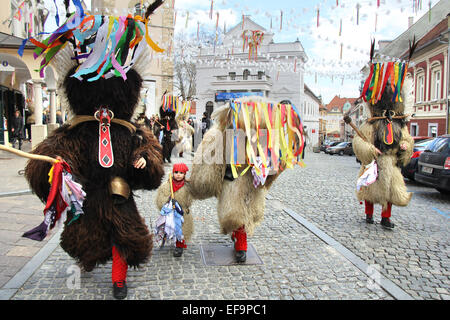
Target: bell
x,y
119,189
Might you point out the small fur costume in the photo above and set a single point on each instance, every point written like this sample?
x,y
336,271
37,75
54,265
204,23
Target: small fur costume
x,y
184,197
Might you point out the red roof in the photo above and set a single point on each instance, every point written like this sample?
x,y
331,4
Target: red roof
x,y
339,102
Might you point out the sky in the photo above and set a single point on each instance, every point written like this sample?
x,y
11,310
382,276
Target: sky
x,y
335,54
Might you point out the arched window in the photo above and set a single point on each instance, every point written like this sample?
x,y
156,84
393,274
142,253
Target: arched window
x,y
436,81
420,85
246,74
209,107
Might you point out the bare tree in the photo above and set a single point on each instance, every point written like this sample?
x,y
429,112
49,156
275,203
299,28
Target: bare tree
x,y
187,47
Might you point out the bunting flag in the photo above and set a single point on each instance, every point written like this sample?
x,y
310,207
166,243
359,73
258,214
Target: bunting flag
x,y
318,17
57,13
280,142
107,55
19,11
358,6
211,10
65,196
281,20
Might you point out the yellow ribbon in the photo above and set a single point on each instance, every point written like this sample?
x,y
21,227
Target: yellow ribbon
x,y
149,40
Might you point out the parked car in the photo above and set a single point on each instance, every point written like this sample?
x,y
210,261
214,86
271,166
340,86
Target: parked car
x,y
434,165
341,149
421,138
410,169
324,147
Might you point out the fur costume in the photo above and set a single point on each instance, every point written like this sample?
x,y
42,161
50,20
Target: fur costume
x,y
185,133
390,186
184,197
170,132
386,131
105,222
240,205
111,226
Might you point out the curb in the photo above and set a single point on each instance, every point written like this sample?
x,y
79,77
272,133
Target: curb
x,y
19,279
376,277
15,193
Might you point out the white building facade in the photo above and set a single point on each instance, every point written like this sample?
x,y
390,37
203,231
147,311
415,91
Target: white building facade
x,y
276,71
310,117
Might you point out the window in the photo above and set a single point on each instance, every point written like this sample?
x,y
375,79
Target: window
x,y
232,75
260,75
246,74
432,129
436,85
414,129
420,88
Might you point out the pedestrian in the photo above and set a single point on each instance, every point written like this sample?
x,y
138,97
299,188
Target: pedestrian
x,y
383,144
59,119
17,129
157,128
206,122
29,120
305,137
176,188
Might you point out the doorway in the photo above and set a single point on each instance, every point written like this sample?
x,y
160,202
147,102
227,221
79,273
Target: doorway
x,y
209,108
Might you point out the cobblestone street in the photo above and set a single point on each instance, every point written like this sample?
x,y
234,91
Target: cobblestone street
x,y
413,259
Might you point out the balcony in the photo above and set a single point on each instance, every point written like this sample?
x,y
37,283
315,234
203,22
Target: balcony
x,y
231,82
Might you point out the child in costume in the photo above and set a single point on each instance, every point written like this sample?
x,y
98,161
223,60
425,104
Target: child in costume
x,y
240,191
109,156
384,143
174,198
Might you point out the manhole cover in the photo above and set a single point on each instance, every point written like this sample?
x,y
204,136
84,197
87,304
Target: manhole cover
x,y
217,255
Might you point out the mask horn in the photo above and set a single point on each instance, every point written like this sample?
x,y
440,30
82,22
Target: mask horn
x,y
412,47
155,5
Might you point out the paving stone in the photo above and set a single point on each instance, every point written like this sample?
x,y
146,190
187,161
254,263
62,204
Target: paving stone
x,y
296,264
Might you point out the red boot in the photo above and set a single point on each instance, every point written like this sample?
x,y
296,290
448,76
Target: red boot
x,y
119,275
385,217
179,246
369,211
239,237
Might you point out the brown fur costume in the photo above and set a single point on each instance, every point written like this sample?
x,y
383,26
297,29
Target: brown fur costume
x,y
169,136
389,186
239,202
184,198
106,221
